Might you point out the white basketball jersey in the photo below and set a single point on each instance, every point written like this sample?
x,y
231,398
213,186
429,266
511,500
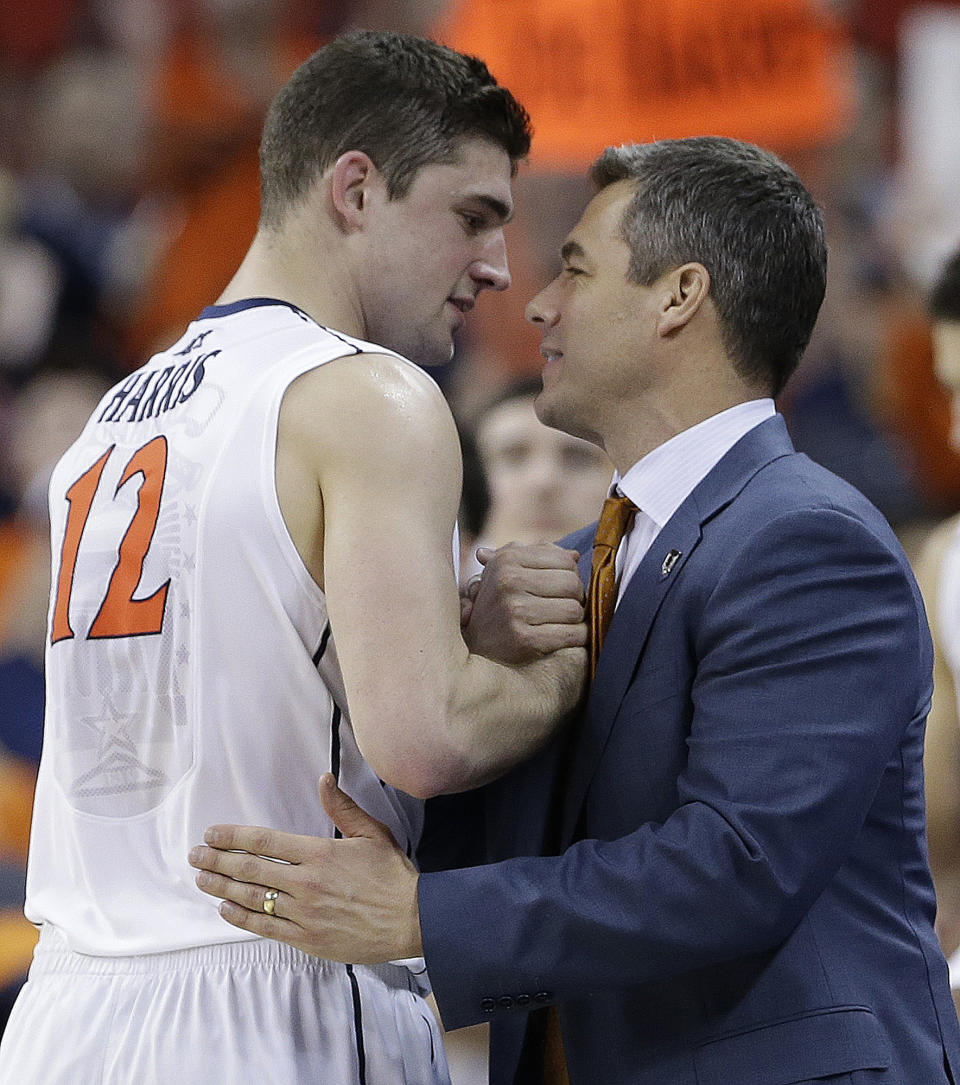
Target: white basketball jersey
x,y
191,675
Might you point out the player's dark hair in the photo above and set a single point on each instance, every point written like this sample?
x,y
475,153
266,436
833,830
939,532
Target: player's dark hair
x,y
944,301
745,216
404,101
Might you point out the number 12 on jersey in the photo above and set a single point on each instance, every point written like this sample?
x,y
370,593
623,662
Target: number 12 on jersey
x,y
120,615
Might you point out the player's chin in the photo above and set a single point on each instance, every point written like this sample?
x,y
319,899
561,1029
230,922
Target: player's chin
x,y
437,352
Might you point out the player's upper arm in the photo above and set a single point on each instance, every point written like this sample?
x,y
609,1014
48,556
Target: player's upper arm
x,y
386,457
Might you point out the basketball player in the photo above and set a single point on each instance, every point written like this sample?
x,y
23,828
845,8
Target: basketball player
x,y
253,583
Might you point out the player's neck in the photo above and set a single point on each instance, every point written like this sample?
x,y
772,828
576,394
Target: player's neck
x,y
273,268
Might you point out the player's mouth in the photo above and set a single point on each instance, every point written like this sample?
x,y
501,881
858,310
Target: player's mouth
x,y
462,305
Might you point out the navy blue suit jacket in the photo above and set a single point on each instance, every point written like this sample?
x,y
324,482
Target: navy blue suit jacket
x,y
742,895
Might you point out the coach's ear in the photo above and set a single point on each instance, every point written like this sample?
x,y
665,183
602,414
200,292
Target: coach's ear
x,y
683,291
350,182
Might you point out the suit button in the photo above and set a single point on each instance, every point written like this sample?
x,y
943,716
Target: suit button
x,y
543,996
505,1003
488,1005
523,1000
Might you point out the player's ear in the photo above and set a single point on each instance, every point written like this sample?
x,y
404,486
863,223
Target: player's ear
x,y
350,182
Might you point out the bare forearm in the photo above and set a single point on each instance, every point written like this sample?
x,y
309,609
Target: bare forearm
x,y
457,717
505,714
526,621
464,723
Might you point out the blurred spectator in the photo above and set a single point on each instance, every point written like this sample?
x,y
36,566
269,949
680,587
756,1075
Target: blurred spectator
x,y
34,32
224,62
915,49
923,218
833,405
938,571
542,483
914,404
30,284
77,204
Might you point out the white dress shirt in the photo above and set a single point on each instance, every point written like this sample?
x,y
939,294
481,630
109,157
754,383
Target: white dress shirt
x,y
660,482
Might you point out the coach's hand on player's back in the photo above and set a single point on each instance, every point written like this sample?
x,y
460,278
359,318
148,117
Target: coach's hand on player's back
x,y
528,602
352,900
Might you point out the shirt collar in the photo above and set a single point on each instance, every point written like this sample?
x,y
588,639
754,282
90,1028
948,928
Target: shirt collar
x,y
659,483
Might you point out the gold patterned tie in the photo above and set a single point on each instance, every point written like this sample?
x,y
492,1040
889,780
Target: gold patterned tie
x,y
615,521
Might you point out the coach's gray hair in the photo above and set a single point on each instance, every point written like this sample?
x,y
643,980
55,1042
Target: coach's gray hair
x,y
746,216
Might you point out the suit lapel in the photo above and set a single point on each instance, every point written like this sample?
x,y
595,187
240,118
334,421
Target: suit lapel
x,y
622,650
659,570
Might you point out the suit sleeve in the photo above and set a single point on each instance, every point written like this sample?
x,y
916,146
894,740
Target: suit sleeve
x,y
453,831
811,661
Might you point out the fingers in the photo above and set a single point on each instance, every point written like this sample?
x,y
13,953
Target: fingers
x,y
252,871
268,926
242,902
259,841
525,592
529,608
533,555
253,898
242,905
544,570
541,640
539,583
349,818
551,638
543,583
258,922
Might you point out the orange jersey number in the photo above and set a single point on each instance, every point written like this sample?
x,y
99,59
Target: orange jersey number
x,y
120,615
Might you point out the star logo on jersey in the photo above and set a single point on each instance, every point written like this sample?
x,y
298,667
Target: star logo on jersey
x,y
117,768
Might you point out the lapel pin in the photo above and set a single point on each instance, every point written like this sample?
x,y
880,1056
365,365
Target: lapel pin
x,y
669,561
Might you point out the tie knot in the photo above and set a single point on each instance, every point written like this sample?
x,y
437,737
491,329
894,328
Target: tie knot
x,y
615,520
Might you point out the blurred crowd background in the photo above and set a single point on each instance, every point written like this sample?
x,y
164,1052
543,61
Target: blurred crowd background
x,y
128,194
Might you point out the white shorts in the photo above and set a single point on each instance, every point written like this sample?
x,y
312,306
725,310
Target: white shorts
x,y
255,1011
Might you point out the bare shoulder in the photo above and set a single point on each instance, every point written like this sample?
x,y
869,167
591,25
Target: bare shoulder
x,y
363,435
381,398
